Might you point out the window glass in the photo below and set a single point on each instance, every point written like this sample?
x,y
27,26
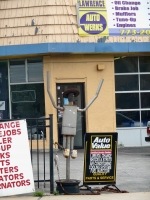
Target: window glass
x,y
128,119
127,100
126,64
20,73
139,83
144,63
35,70
27,101
145,100
126,82
145,81
145,115
17,71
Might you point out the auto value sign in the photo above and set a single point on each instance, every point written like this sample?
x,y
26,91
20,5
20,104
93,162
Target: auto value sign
x,y
113,18
100,157
16,176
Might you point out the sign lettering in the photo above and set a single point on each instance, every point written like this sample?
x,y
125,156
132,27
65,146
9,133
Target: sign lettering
x,y
23,96
16,176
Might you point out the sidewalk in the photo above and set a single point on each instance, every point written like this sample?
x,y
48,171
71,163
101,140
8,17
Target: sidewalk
x,y
133,172
118,196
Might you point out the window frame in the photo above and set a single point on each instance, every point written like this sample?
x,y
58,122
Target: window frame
x,y
27,82
139,91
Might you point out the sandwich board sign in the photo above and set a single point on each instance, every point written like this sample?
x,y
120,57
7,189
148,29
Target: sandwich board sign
x,y
100,158
16,175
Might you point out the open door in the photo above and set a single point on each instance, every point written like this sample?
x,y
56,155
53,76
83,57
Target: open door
x,y
79,101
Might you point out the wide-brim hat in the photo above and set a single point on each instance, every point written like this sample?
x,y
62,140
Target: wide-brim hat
x,y
71,90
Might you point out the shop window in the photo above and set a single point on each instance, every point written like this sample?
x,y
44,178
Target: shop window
x,y
27,88
132,74
29,70
145,100
145,116
128,118
27,100
127,100
17,71
126,64
32,66
126,82
144,64
145,81
27,94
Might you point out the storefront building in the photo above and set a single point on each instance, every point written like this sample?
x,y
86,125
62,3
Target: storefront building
x,y
39,36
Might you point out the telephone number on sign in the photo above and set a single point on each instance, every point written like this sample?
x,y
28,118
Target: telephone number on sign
x,y
133,32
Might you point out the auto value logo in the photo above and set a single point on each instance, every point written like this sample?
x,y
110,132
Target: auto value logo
x,y
102,142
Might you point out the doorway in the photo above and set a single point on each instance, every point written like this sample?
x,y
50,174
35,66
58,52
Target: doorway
x,y
79,101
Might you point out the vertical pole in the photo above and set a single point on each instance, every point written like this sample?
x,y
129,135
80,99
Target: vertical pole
x,y
71,143
64,141
68,160
44,160
38,163
51,154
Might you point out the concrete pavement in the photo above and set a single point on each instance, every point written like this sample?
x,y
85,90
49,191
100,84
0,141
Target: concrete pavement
x,y
133,175
133,168
118,196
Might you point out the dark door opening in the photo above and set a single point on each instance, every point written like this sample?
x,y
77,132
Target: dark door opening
x,y
79,101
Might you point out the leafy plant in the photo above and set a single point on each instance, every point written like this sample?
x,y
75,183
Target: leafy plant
x,y
38,194
56,192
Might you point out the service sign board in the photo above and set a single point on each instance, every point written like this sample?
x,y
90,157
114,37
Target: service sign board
x,y
113,18
100,158
16,176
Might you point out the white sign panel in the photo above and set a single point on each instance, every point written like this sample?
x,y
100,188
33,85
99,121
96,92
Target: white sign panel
x,y
16,175
129,17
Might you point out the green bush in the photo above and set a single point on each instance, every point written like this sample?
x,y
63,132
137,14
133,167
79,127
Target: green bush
x,y
56,192
38,194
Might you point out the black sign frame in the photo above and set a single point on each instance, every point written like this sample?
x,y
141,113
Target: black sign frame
x,y
100,158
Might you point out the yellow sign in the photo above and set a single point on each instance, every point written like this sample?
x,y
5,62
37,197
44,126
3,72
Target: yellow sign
x,y
93,18
113,18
